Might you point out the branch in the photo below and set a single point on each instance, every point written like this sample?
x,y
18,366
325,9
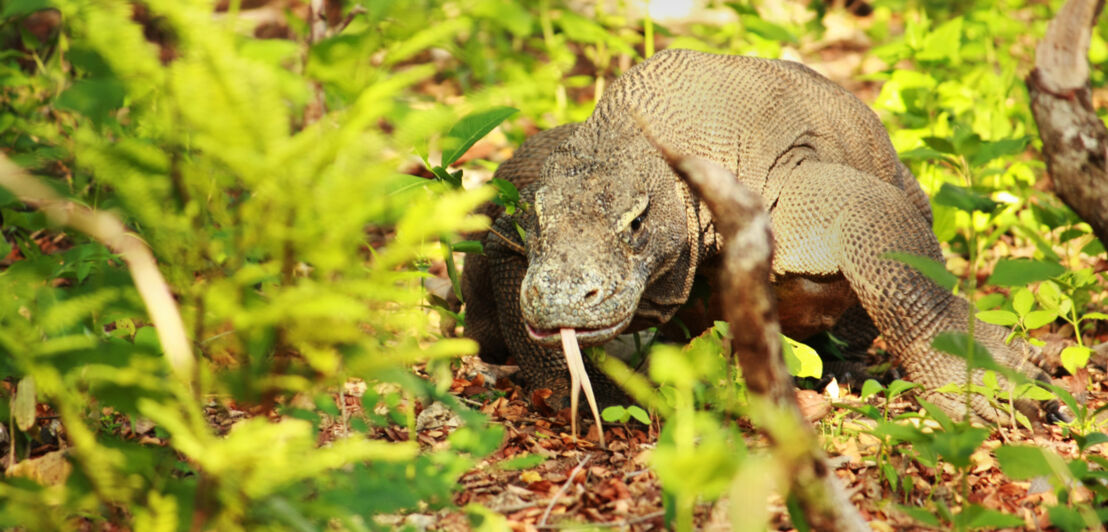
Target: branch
x,y
1075,141
751,311
110,231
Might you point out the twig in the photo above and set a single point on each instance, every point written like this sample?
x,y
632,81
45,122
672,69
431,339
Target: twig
x,y
107,229
509,242
563,489
355,11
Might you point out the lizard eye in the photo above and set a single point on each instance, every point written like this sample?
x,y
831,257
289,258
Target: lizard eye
x,y
636,224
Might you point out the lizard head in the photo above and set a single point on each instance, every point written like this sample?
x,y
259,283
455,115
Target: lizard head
x,y
608,224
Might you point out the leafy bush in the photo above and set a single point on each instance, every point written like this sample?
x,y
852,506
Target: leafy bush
x,y
202,140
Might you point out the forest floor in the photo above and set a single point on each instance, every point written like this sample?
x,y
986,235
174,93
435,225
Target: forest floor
x,y
569,481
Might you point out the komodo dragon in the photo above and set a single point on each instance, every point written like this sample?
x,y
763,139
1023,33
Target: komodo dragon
x,y
614,238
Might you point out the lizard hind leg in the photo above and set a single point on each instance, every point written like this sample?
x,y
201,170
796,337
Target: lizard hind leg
x,y
860,219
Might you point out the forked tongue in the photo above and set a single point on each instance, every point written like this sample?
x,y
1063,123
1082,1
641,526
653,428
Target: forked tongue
x,y
578,380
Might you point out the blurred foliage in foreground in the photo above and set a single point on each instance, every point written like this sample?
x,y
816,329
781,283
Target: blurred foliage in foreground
x,y
259,219
296,249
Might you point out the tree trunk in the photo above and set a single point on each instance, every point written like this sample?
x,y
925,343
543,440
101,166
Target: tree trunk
x,y
1075,141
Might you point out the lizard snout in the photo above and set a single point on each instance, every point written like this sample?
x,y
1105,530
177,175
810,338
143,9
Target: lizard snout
x,y
596,307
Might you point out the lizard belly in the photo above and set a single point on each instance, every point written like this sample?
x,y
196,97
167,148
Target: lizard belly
x,y
809,305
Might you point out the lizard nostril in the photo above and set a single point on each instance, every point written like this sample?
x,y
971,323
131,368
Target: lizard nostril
x,y
592,295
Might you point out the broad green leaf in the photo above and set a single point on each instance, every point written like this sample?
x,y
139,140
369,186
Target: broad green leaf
x,y
1049,295
998,148
1093,438
482,519
1022,462
1094,316
870,387
937,414
975,516
615,414
1074,357
23,404
1032,390
1022,299
963,199
1021,272
526,461
468,246
943,43
1066,518
767,30
989,301
998,317
639,414
469,130
95,98
922,515
927,266
800,359
18,8
939,144
957,446
898,387
1039,318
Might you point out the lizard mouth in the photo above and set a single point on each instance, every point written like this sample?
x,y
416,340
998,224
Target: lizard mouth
x,y
585,336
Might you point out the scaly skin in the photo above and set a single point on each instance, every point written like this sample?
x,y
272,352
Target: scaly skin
x,y
614,237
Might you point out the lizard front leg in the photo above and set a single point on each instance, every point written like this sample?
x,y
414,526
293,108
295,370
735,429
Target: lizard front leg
x,y
835,217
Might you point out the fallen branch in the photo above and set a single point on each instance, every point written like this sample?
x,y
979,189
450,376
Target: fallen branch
x,y
107,229
1075,141
750,308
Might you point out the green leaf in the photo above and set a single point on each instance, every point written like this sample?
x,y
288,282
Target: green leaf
x,y
943,43
898,387
929,267
469,130
939,144
767,30
95,98
964,199
526,461
1074,357
1039,318
148,337
957,446
1022,299
469,246
1022,462
615,414
870,387
998,317
639,414
922,515
1049,295
937,414
998,148
1021,272
975,516
1093,438
1066,518
18,8
800,359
